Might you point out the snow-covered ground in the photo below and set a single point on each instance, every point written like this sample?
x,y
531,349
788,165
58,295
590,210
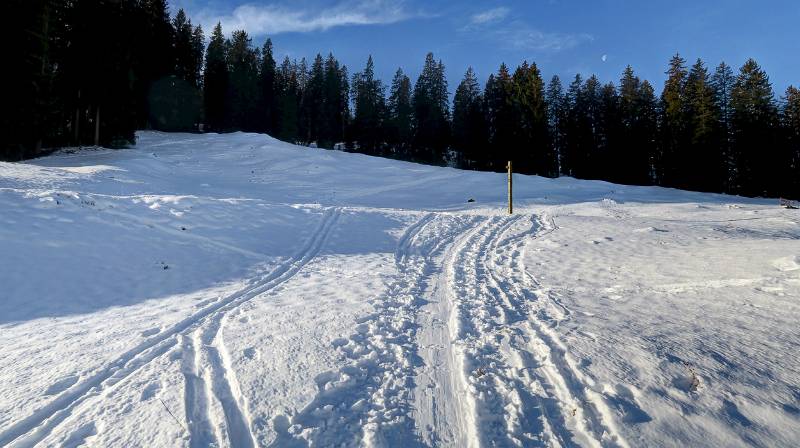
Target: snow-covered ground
x,y
233,290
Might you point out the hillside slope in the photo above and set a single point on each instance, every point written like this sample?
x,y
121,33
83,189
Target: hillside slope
x,y
233,290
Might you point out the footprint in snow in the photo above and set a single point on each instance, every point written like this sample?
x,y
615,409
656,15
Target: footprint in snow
x,y
61,385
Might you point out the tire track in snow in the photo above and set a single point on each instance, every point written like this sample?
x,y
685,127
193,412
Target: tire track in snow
x,y
368,402
37,426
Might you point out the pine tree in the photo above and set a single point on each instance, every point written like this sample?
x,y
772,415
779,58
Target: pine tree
x,y
557,114
184,51
576,117
722,82
241,100
216,79
531,142
790,120
198,52
637,106
267,90
431,112
288,92
754,118
369,110
311,102
674,125
335,99
610,162
703,165
501,118
399,117
469,122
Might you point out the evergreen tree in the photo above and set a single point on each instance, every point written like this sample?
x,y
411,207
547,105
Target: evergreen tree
x,y
431,112
184,51
336,98
242,94
369,110
288,92
610,162
267,89
589,131
532,140
572,153
501,118
674,138
216,79
469,122
722,83
312,108
753,119
198,51
637,125
399,119
557,114
703,165
790,120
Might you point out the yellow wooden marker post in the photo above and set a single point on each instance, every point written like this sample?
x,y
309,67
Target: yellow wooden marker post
x,y
510,191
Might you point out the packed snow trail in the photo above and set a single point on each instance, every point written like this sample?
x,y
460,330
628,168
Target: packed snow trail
x,y
236,291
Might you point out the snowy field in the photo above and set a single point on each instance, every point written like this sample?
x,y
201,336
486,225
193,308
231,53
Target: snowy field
x,y
233,290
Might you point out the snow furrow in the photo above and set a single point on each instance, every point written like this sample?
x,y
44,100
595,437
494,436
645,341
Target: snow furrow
x,y
579,411
446,411
367,402
34,428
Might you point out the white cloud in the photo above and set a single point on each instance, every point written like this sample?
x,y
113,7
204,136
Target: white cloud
x,y
259,20
490,16
523,37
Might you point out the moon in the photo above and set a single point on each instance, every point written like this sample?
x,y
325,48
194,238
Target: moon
x,y
604,58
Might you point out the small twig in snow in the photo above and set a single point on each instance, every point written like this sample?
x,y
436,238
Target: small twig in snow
x,y
173,416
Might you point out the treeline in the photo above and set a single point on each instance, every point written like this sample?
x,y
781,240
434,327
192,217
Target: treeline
x,y
94,71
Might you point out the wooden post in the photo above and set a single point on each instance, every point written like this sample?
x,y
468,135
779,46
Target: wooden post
x,y
510,190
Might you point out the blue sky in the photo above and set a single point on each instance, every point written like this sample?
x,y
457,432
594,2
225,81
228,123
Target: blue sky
x,y
563,37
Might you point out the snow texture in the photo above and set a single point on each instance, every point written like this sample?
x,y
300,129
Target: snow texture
x,y
236,291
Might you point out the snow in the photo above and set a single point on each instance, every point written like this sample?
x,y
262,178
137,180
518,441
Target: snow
x,y
233,290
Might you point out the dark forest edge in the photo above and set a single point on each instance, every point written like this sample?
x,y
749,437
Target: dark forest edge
x,y
95,71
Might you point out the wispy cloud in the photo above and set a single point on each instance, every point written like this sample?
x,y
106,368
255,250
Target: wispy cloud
x,y
514,33
259,20
524,37
490,16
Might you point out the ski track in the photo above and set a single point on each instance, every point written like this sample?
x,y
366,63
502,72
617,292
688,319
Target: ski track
x,y
205,327
523,387
368,402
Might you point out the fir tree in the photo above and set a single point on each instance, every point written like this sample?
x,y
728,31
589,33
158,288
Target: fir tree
x,y
469,122
431,112
242,94
790,120
753,119
722,82
369,110
532,145
673,99
215,79
501,119
267,89
703,162
399,119
557,114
